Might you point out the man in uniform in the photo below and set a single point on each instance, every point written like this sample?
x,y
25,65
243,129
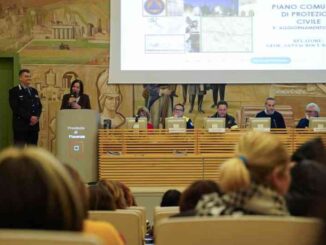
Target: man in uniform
x,y
26,110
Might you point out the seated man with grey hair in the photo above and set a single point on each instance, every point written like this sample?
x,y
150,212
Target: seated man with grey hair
x,y
312,110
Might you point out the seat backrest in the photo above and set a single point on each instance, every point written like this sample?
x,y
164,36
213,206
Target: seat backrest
x,y
161,213
246,230
126,221
36,237
247,111
142,211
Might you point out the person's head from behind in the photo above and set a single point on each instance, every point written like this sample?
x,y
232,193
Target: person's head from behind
x,y
116,192
81,188
100,198
129,197
25,77
170,198
313,150
37,192
270,105
222,108
144,112
178,110
77,87
312,110
190,196
260,158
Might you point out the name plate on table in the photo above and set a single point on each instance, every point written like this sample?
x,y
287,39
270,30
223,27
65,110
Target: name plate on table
x,y
261,128
177,129
216,130
320,128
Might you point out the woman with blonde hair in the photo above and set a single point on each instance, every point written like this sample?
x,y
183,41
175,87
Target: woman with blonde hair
x,y
37,192
254,181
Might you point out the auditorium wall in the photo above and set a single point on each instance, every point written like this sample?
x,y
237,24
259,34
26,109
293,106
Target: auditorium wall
x,y
61,40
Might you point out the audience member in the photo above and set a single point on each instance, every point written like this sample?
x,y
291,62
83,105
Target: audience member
x,y
102,229
116,192
100,198
190,196
81,188
312,110
277,120
254,181
308,178
170,198
222,112
37,192
129,197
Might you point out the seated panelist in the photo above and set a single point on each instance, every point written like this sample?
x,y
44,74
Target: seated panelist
x,y
222,111
277,120
76,99
312,110
144,112
178,111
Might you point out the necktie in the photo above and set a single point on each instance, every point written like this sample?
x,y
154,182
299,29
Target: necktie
x,y
28,91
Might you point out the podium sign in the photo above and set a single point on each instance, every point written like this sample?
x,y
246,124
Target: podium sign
x,y
76,141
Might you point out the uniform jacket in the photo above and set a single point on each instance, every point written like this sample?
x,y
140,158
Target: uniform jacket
x,y
24,105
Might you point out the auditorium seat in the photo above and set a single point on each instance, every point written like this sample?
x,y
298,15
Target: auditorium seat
x,y
246,230
37,237
247,111
161,213
126,221
142,211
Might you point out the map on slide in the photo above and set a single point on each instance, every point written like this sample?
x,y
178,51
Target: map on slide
x,y
226,34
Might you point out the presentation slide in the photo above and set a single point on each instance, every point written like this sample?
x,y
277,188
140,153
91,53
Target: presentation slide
x,y
219,41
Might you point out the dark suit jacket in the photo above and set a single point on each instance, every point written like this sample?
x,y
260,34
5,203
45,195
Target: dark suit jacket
x,y
83,102
277,120
303,123
24,105
229,120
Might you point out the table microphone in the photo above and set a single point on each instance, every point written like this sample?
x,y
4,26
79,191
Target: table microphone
x,y
275,122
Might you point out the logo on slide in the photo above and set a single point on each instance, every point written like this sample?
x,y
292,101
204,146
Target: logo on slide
x,y
154,7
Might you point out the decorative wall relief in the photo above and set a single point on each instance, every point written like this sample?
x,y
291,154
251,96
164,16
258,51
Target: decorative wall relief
x,y
109,100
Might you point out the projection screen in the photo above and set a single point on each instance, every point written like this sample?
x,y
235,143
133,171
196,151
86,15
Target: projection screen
x,y
213,41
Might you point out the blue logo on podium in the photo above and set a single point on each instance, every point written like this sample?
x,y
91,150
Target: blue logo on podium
x,y
154,7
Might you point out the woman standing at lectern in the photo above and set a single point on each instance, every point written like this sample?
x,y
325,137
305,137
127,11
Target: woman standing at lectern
x,y
76,99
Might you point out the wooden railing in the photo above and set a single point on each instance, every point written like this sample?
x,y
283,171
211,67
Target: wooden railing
x,y
158,158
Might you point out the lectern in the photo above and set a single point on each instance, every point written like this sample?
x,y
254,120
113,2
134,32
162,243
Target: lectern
x,y
76,140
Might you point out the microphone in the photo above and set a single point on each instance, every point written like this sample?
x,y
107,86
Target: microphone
x,y
72,98
274,121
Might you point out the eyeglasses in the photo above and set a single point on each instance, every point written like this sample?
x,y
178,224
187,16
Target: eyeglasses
x,y
309,111
178,109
